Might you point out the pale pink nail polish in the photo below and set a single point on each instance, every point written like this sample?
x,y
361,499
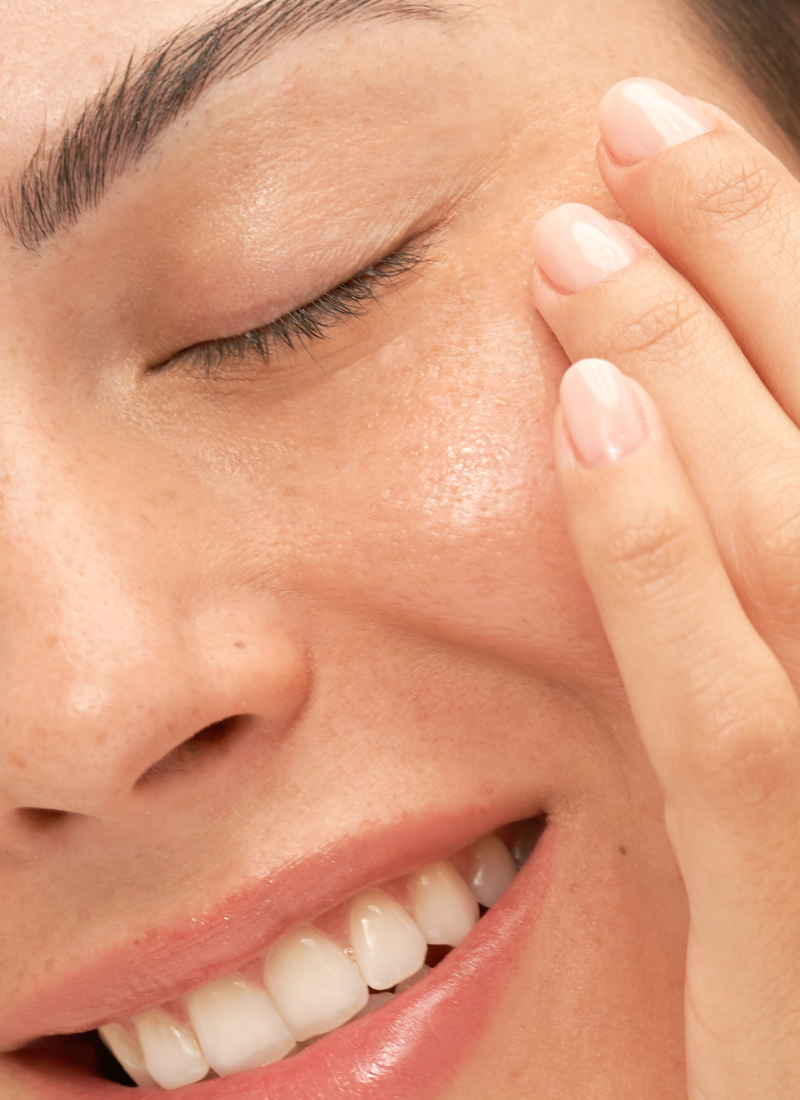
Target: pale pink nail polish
x,y
639,118
602,414
576,247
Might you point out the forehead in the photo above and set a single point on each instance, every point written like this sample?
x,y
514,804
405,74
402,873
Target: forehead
x,y
54,46
145,91
525,54
55,54
119,124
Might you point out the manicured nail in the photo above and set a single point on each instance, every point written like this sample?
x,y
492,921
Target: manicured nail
x,y
641,117
576,247
602,414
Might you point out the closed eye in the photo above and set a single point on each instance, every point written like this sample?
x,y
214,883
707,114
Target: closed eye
x,y
315,320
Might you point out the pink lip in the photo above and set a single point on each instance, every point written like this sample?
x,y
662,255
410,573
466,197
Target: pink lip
x,y
157,965
405,1051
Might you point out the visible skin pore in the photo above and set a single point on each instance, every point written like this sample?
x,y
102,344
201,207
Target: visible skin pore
x,y
362,548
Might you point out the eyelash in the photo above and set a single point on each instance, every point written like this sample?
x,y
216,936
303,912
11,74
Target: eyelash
x,y
314,321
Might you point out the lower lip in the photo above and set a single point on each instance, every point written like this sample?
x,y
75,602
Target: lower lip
x,y
407,1050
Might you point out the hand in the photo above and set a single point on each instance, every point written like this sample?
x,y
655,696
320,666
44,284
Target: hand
x,y
681,478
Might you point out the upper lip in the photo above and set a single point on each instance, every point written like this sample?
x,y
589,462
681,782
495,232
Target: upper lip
x,y
166,962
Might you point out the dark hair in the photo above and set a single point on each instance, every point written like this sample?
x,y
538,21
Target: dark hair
x,y
761,40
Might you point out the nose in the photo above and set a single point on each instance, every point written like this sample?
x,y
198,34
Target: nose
x,y
120,639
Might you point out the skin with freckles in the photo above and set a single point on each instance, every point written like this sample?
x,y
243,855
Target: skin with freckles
x,y
352,561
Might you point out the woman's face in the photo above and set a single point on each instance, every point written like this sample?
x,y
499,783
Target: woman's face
x,y
278,628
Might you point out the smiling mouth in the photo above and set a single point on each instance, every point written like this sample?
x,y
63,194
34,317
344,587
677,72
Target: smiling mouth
x,y
350,962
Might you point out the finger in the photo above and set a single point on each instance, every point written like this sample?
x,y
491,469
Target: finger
x,y
719,208
718,717
606,292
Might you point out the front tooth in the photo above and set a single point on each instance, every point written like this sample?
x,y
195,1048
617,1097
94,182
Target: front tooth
x,y
313,983
238,1026
442,904
493,870
127,1049
171,1053
388,945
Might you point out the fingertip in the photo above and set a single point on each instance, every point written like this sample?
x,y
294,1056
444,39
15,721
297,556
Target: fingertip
x,y
602,414
575,247
565,460
651,415
641,117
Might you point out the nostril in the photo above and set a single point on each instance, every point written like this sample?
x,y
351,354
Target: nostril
x,y
40,819
191,751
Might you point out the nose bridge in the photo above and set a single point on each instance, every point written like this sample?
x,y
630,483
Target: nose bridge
x,y
76,637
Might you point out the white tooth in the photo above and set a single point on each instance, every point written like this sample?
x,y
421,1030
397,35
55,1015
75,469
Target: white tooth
x,y
409,982
493,870
171,1053
313,983
389,946
376,1001
238,1026
127,1049
442,904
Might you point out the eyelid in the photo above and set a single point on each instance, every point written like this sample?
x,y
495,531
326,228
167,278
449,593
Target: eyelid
x,y
314,320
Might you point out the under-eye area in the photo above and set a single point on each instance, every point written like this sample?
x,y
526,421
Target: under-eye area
x,y
320,976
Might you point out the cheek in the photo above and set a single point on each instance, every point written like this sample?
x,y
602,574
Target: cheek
x,y
427,498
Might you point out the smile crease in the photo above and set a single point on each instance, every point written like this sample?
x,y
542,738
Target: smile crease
x,y
320,976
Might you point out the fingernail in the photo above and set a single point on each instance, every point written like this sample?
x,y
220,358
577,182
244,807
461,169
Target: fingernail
x,y
641,117
576,247
603,417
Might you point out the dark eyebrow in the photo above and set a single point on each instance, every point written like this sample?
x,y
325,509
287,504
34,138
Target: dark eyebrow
x,y
70,174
